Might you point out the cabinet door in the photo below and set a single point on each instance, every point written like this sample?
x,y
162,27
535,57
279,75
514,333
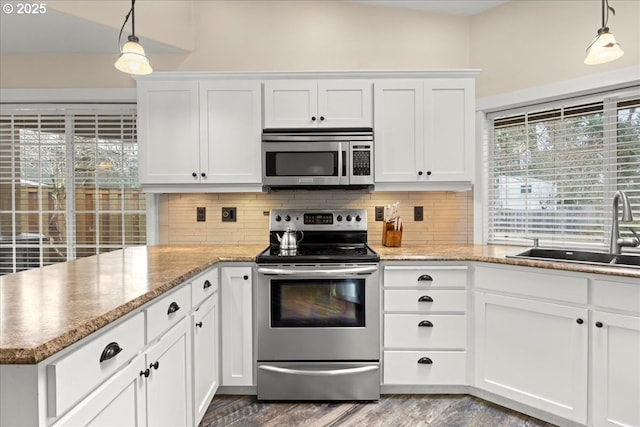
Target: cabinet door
x,y
448,129
237,326
205,355
534,353
616,369
231,127
169,381
290,103
345,103
168,132
118,402
398,118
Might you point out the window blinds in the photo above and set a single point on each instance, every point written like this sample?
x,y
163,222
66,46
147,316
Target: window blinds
x,y
552,172
68,185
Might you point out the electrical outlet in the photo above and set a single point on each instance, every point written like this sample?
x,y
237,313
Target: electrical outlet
x,y
201,214
418,213
228,214
379,213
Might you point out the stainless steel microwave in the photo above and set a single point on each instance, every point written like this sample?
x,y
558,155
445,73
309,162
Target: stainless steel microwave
x,y
317,158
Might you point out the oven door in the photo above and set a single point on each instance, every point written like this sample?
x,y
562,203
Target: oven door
x,y
318,313
304,163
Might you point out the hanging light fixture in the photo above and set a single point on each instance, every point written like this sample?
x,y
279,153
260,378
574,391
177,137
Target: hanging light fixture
x,y
604,47
132,59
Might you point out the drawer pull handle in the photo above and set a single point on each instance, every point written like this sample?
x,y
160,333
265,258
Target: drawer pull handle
x,y
145,373
110,351
425,278
599,325
425,298
199,325
425,361
579,321
207,284
425,324
173,307
154,365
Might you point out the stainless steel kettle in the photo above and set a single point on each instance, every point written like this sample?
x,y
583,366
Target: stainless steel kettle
x,y
289,239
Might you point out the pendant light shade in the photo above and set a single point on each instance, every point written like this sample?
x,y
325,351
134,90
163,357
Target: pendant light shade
x,y
604,47
132,59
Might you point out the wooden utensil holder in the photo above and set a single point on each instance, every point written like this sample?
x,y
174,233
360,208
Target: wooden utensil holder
x,y
391,237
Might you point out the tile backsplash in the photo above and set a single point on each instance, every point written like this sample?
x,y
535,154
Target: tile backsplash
x,y
448,216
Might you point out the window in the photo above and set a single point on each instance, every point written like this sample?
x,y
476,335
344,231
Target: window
x,y
552,172
68,184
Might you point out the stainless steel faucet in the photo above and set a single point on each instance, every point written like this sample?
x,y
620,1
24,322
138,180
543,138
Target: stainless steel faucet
x,y
618,242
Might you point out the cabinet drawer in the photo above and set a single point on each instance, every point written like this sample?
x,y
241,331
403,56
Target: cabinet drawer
x,y
446,331
532,282
413,367
73,376
167,311
616,295
425,300
435,276
203,286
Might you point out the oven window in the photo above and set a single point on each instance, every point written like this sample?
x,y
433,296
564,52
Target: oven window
x,y
303,163
317,303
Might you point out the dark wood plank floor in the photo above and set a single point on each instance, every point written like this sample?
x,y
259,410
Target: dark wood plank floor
x,y
391,410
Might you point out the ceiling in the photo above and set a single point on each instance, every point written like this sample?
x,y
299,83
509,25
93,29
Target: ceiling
x,y
58,33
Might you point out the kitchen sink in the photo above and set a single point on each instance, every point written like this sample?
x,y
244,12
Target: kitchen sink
x,y
583,257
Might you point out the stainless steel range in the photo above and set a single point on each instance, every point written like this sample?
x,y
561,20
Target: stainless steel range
x,y
318,308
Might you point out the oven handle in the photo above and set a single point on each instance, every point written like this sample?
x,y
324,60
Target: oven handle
x,y
319,272
348,371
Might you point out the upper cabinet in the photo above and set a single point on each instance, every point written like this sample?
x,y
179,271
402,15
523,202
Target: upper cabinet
x,y
317,103
199,132
424,132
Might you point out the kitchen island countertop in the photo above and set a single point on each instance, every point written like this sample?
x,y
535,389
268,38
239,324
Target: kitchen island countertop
x,y
44,310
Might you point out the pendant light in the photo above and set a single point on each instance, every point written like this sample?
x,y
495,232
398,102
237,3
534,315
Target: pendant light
x,y
604,47
132,59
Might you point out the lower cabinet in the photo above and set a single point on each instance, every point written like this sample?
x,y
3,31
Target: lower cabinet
x,y
533,352
204,322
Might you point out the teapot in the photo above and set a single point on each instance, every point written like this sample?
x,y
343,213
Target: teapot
x,y
289,239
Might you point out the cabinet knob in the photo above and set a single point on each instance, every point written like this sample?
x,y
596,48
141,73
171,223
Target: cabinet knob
x,y
202,174
425,298
245,277
313,118
155,365
599,324
321,118
173,307
425,324
579,321
207,284
428,172
199,325
193,174
110,351
425,278
145,373
420,173
425,361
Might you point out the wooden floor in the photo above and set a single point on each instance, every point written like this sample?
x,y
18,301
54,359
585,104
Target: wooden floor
x,y
391,410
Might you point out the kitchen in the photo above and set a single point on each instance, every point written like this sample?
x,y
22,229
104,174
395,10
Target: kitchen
x,y
450,217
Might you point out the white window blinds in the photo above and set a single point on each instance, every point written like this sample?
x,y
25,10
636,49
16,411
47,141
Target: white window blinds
x,y
552,172
68,184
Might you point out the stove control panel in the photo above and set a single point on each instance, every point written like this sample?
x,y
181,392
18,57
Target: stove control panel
x,y
318,219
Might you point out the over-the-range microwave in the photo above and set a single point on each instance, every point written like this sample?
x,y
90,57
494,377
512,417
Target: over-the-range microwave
x,y
317,158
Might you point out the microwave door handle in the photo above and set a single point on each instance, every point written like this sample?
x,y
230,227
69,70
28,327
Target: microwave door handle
x,y
343,164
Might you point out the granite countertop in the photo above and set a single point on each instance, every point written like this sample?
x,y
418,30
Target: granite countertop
x,y
44,310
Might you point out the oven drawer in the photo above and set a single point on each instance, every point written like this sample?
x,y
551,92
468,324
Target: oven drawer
x,y
318,380
432,276
425,300
417,331
425,367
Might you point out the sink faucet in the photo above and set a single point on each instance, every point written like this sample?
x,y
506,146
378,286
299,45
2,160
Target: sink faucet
x,y
618,242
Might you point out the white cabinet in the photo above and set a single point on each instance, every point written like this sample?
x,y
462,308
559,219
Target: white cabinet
x,y
206,341
424,131
168,132
533,352
425,325
238,361
199,132
616,354
314,103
